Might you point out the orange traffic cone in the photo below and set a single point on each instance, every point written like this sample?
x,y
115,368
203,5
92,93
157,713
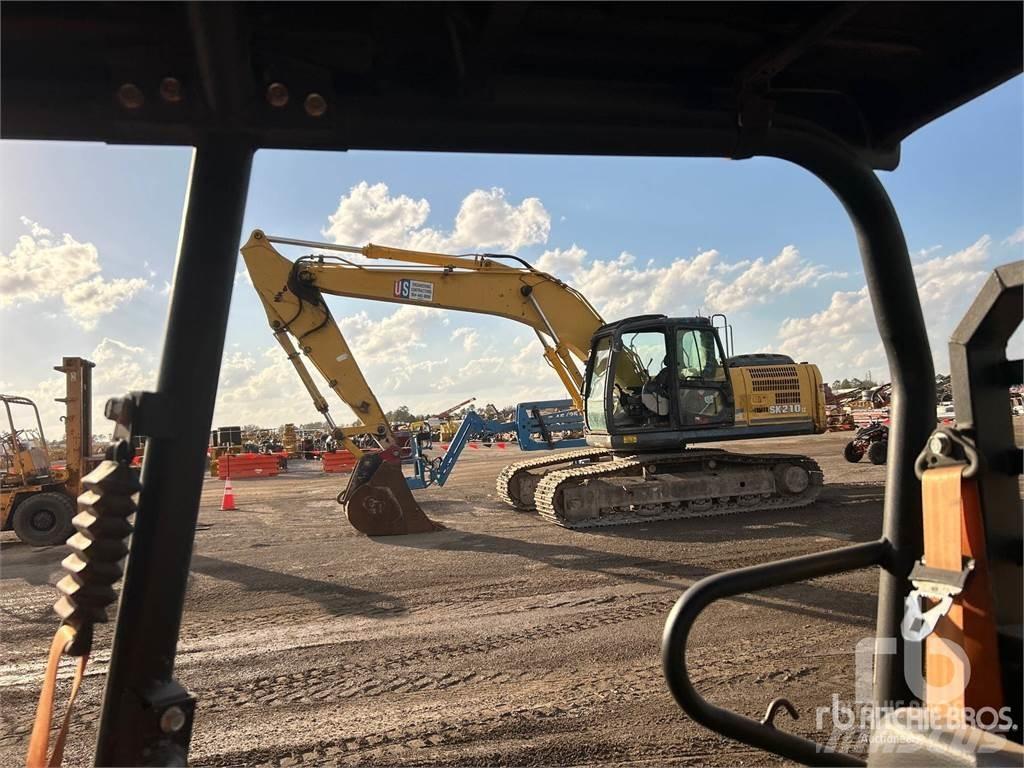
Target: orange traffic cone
x,y
228,504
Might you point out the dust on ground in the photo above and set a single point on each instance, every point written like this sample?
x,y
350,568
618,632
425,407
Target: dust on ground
x,y
501,639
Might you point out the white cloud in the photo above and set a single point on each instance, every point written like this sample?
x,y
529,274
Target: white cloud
x,y
763,280
561,261
1016,238
469,337
947,284
924,253
843,338
42,267
486,219
392,338
87,302
619,287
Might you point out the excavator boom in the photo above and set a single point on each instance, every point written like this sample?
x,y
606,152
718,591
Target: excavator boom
x,y
562,318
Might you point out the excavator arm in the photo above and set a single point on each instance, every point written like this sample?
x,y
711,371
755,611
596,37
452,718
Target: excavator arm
x,y
377,499
562,318
305,327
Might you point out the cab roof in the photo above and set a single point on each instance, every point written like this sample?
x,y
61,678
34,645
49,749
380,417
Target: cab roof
x,y
709,79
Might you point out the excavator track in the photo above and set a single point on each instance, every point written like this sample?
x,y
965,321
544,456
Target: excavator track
x,y
509,482
773,480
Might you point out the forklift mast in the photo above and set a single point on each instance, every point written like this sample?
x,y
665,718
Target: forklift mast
x,y
78,418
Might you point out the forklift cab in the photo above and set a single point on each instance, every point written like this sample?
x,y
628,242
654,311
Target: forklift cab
x,y
26,460
657,374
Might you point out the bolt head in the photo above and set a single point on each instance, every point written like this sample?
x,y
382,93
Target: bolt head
x,y
315,105
172,720
277,95
130,96
940,444
170,90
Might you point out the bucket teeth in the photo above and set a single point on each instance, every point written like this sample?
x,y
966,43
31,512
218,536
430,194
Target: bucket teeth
x,y
378,501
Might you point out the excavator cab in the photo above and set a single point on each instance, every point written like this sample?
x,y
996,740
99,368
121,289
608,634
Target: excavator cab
x,y
658,377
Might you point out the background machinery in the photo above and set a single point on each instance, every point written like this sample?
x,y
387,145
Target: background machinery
x,y
823,87
652,385
440,426
37,498
872,440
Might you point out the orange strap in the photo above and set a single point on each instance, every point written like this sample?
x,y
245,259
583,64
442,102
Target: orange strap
x,y
40,741
954,529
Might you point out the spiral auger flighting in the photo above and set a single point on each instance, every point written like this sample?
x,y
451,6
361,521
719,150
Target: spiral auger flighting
x,y
99,546
98,549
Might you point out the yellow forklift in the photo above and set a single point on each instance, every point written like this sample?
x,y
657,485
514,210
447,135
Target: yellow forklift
x,y
37,499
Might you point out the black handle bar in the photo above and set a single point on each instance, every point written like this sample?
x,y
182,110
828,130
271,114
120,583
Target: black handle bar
x,y
762,735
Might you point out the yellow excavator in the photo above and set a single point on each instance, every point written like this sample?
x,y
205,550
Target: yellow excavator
x,y
651,385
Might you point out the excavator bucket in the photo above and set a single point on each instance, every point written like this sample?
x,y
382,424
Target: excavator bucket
x,y
379,503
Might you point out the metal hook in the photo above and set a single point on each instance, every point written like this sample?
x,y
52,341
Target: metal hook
x,y
773,709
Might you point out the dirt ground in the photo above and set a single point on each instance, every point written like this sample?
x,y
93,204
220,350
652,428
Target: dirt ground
x,y
500,640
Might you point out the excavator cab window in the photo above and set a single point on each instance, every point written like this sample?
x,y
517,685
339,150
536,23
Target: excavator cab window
x,y
705,397
597,419
642,391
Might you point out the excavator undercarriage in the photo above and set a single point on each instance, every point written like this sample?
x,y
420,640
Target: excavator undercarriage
x,y
595,488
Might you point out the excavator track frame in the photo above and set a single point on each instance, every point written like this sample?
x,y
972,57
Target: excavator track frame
x,y
550,490
508,476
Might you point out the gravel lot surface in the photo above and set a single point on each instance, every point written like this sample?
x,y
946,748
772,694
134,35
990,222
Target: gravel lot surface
x,y
500,640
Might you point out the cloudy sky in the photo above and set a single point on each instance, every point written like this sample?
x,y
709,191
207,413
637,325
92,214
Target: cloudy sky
x,y
88,235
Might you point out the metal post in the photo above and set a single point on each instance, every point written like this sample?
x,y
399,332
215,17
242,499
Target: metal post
x,y
890,281
140,724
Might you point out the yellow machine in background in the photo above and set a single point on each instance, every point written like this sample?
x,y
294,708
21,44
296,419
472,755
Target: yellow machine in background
x,y
651,386
37,500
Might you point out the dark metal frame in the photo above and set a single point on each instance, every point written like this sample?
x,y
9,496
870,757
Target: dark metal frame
x,y
981,377
901,326
761,734
140,687
228,121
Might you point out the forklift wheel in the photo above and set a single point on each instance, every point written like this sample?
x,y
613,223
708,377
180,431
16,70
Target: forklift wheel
x,y
877,452
852,453
44,519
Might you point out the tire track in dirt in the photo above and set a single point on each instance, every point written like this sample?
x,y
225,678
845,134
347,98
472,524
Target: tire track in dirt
x,y
268,690
441,730
578,693
321,685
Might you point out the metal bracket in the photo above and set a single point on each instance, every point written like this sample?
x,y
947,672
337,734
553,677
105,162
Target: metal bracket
x,y
933,584
948,447
140,413
169,712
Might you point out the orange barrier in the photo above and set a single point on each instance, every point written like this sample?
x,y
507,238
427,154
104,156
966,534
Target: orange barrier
x,y
477,444
247,465
338,461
